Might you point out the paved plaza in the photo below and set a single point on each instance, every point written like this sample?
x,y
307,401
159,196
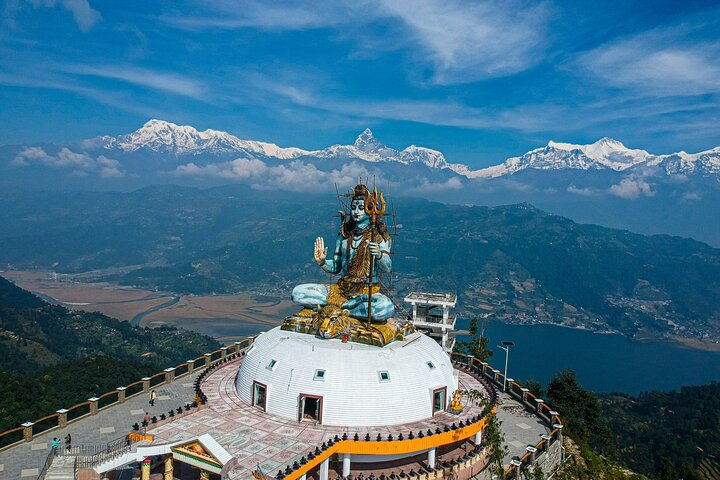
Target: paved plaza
x,y
256,438
26,460
520,426
252,436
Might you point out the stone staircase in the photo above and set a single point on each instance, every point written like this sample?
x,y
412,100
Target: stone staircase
x,y
62,468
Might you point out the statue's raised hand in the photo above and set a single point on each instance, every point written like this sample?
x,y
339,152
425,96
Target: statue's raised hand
x,y
320,251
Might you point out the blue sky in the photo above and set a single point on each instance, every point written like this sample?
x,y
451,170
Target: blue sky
x,y
480,80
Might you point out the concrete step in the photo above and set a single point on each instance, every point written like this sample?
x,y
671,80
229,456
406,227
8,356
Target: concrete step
x,y
62,468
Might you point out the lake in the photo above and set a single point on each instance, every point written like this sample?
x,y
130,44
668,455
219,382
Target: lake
x,y
603,362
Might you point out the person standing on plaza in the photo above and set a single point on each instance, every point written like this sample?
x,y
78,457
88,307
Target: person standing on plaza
x,y
68,442
55,444
153,397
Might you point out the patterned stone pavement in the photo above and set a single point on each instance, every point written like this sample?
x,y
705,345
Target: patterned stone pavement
x,y
249,434
26,459
257,438
521,427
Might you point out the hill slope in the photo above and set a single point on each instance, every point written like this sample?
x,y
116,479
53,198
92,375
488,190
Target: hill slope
x,y
516,262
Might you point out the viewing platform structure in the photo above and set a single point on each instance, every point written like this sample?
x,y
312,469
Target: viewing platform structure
x,y
431,315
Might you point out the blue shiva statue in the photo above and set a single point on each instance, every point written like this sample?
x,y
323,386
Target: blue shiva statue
x,y
356,246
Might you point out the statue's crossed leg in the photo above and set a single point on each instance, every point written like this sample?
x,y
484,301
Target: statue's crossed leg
x,y
313,294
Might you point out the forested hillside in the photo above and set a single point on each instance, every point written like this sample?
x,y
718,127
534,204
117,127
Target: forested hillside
x,y
52,358
668,432
516,262
664,435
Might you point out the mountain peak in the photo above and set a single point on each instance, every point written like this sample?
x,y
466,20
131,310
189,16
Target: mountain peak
x,y
610,143
167,137
367,143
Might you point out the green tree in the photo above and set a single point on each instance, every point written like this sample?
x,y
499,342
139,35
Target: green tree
x,y
581,412
494,440
477,343
535,388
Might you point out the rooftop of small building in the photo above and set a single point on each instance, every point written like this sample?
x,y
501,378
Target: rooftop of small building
x,y
426,298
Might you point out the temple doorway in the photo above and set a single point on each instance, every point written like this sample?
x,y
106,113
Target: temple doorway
x,y
310,408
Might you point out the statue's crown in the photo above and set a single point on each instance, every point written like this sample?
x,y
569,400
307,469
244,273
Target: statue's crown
x,y
361,191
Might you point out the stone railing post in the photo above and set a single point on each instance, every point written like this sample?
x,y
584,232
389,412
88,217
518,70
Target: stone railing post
x,y
559,431
27,431
121,394
223,352
236,346
169,374
146,384
496,375
524,393
484,366
532,451
191,366
554,416
539,402
93,405
207,359
547,439
62,417
509,382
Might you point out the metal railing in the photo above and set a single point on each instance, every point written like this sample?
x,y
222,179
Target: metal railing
x,y
46,467
89,456
524,397
18,435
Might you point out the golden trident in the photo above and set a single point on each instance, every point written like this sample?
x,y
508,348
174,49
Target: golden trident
x,y
374,207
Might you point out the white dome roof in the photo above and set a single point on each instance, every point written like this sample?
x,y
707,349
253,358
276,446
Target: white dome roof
x,y
354,391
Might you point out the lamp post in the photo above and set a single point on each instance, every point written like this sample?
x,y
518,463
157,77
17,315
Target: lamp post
x,y
506,346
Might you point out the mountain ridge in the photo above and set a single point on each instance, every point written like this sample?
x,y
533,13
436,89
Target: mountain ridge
x,y
606,153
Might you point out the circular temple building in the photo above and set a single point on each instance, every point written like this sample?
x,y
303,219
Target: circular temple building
x,y
345,388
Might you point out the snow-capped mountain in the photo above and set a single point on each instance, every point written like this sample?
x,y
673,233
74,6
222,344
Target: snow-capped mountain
x,y
605,153
180,140
369,149
169,142
593,183
683,163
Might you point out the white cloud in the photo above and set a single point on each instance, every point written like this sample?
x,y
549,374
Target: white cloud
x,y
293,176
109,168
585,192
461,41
432,112
664,61
241,169
81,163
427,186
168,82
632,188
469,41
299,176
85,16
691,196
